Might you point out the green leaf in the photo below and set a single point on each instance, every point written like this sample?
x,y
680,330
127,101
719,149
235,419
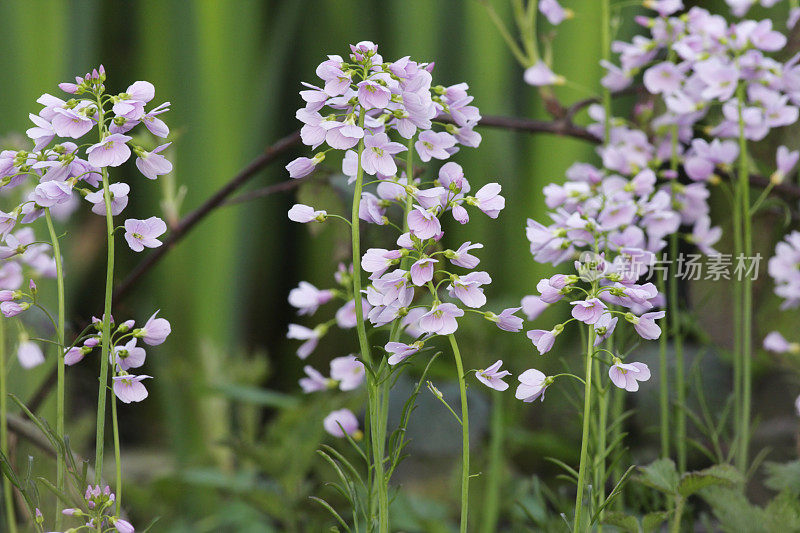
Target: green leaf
x,y
660,475
571,471
614,493
719,475
651,522
733,510
783,512
52,488
623,521
783,476
331,510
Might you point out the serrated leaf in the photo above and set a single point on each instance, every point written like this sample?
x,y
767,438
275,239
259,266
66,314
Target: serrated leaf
x,y
651,522
717,475
783,476
623,521
660,475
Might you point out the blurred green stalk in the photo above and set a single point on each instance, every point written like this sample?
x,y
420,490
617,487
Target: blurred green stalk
x,y
8,494
60,459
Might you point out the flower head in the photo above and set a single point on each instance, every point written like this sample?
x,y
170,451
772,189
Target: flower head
x,y
492,377
112,151
341,422
400,351
628,375
532,385
506,320
153,164
441,319
155,331
144,233
129,388
348,371
29,354
118,193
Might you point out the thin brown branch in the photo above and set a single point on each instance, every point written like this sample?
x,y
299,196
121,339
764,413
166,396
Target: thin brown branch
x,y
188,222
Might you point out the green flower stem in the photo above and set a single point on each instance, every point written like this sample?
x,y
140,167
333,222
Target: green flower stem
x,y
602,415
617,410
519,55
747,290
663,392
676,519
374,404
60,394
675,326
8,494
587,415
462,388
600,442
407,206
117,456
106,341
677,340
526,24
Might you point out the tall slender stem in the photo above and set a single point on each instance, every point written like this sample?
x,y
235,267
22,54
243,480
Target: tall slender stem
x,y
663,391
676,519
462,389
117,456
736,222
677,340
587,415
675,324
106,341
747,292
374,386
617,409
361,329
60,394
600,443
407,206
8,494
602,415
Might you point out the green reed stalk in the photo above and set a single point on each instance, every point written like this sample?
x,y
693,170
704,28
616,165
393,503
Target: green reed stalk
x,y
106,341
462,390
8,491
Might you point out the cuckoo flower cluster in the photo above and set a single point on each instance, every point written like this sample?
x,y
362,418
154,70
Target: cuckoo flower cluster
x,y
365,97
597,295
98,511
426,298
59,168
53,175
697,63
435,270
125,355
694,63
371,103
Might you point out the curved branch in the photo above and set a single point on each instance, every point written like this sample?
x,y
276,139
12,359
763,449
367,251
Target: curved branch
x,y
188,222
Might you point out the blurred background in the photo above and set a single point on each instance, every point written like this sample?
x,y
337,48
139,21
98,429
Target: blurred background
x,y
225,441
